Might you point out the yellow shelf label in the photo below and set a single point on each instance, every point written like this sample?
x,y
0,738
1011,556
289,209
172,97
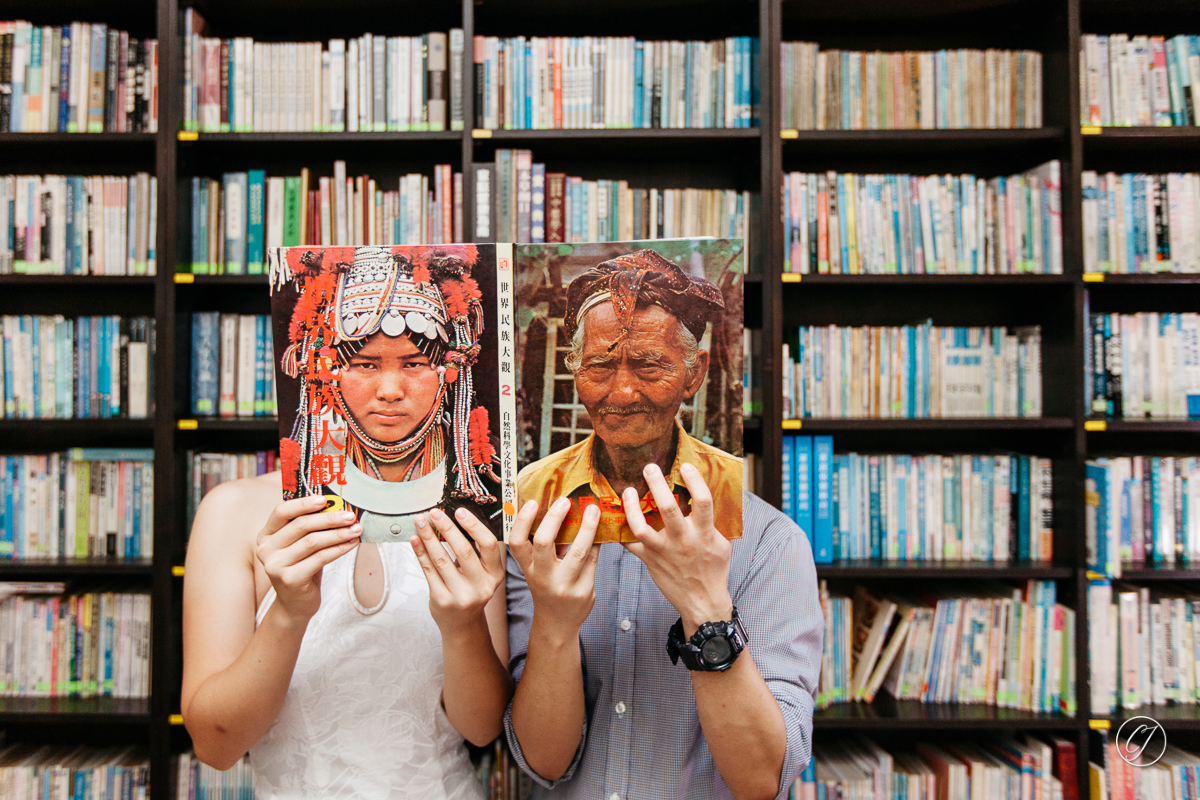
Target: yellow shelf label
x,y
1091,130
791,424
188,136
177,571
481,133
175,719
187,424
185,277
1093,277
789,133
1099,724
1096,576
791,277
1095,425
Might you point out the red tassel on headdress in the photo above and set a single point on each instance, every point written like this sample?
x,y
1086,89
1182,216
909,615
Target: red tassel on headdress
x,y
460,295
480,437
289,453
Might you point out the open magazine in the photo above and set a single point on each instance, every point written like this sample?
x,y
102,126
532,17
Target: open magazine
x,y
410,377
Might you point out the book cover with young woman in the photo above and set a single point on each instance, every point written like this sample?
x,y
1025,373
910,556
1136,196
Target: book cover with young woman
x,y
395,393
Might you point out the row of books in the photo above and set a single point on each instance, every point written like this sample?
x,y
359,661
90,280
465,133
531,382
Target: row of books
x,y
1142,645
196,780
999,766
1139,222
988,644
752,401
500,776
95,644
76,78
69,771
855,90
913,371
1139,80
1174,776
1143,365
912,224
1142,509
237,218
79,503
614,82
79,224
918,507
82,367
517,200
368,83
209,470
233,373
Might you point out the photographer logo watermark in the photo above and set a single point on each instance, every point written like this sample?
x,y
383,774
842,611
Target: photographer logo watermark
x,y
1141,741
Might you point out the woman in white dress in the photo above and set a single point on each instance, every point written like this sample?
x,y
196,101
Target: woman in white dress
x,y
350,669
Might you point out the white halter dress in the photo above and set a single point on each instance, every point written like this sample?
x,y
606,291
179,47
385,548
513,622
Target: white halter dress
x,y
363,715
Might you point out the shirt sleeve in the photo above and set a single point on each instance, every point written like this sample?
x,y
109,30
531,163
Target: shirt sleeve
x,y
520,618
785,638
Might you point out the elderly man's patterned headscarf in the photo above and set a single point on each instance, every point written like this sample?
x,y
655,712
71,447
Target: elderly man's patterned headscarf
x,y
645,277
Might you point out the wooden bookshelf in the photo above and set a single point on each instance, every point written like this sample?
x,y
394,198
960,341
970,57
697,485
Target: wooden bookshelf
x,y
753,157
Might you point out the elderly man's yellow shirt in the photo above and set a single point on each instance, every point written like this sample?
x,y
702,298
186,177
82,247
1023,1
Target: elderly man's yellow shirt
x,y
571,473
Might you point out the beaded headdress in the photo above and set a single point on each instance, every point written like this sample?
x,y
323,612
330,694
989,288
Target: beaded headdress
x,y
350,294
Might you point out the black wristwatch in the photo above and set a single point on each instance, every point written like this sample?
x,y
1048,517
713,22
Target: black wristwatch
x,y
712,648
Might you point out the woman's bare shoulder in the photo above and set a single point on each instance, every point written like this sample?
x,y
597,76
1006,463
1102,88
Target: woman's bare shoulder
x,y
236,510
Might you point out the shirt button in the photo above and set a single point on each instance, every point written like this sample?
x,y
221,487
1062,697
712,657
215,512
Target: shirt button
x,y
620,707
626,624
614,796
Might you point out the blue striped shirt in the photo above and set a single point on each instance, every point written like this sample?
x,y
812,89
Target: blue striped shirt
x,y
642,736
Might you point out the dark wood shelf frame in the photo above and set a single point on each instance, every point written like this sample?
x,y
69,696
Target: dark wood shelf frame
x,y
761,154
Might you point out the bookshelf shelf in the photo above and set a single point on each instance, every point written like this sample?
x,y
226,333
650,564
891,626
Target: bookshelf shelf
x,y
319,137
71,139
1148,426
949,570
791,284
246,424
1160,572
885,712
57,434
64,568
1180,717
810,425
59,282
74,711
1141,139
621,134
220,280
1150,279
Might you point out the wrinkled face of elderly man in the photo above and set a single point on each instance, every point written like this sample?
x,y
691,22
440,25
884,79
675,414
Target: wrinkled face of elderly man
x,y
633,393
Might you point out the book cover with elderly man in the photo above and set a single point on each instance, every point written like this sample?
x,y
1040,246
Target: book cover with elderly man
x,y
629,353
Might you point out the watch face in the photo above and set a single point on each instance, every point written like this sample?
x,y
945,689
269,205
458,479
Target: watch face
x,y
716,651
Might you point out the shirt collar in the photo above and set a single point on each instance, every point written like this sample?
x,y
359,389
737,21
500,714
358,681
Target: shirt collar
x,y
580,471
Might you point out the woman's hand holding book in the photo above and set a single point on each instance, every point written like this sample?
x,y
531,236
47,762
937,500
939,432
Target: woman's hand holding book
x,y
296,543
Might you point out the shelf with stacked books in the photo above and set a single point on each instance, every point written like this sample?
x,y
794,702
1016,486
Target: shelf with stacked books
x,y
74,711
875,569
886,712
73,567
